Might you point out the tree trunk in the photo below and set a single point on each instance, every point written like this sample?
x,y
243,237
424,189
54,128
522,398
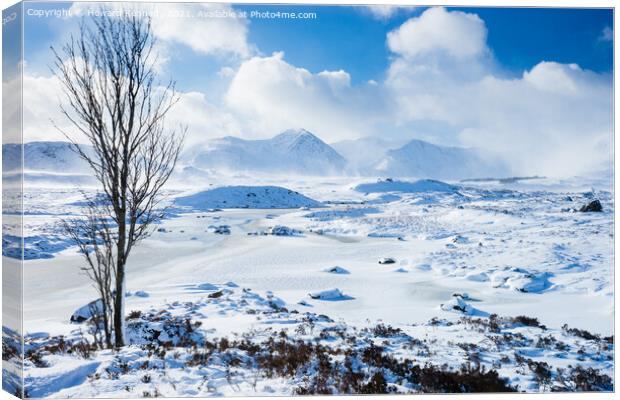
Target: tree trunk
x,y
107,307
119,297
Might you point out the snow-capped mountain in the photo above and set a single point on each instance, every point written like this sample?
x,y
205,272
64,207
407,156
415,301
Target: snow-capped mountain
x,y
291,152
43,156
425,160
364,153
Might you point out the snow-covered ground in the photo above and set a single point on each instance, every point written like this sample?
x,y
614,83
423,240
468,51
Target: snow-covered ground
x,y
453,258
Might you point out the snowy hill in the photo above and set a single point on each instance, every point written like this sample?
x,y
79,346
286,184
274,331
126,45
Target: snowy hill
x,y
422,159
247,197
421,186
291,152
55,157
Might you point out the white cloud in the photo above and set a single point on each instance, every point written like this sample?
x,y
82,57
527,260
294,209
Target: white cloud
x,y
273,95
607,35
553,119
382,11
553,77
437,30
556,119
206,28
42,116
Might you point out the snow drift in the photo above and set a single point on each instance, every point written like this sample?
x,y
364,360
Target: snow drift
x,y
246,197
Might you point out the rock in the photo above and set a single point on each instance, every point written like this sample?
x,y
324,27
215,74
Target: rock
x,y
458,239
331,294
593,206
84,313
387,260
220,229
458,304
280,230
337,270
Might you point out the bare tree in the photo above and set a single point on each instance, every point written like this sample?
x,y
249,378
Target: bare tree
x,y
95,237
108,76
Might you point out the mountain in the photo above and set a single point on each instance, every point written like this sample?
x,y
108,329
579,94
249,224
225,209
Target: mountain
x,y
291,152
425,160
57,157
364,153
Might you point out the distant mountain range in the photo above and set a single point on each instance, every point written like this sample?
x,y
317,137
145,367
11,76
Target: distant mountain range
x,y
293,152
57,157
425,160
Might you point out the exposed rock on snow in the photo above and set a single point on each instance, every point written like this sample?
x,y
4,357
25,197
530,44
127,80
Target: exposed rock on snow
x,y
458,239
459,303
330,294
337,270
387,260
84,313
220,229
280,230
522,280
593,206
246,197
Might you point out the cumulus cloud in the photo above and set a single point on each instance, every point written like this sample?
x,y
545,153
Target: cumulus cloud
x,y
607,35
206,28
273,95
437,30
44,121
555,119
441,84
382,11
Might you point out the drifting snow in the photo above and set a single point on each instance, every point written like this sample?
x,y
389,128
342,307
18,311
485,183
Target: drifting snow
x,y
420,186
246,197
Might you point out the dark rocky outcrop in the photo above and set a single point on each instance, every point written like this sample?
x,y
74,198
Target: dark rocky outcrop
x,y
593,206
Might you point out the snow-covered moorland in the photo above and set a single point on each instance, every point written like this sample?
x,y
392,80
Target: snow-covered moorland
x,y
341,286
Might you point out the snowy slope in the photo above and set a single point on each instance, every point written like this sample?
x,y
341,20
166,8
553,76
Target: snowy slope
x,y
247,197
425,160
291,152
43,156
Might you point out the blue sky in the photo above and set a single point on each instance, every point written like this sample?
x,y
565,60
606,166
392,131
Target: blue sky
x,y
510,81
351,39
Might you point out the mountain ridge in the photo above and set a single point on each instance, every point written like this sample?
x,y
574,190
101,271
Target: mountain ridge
x,y
292,152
